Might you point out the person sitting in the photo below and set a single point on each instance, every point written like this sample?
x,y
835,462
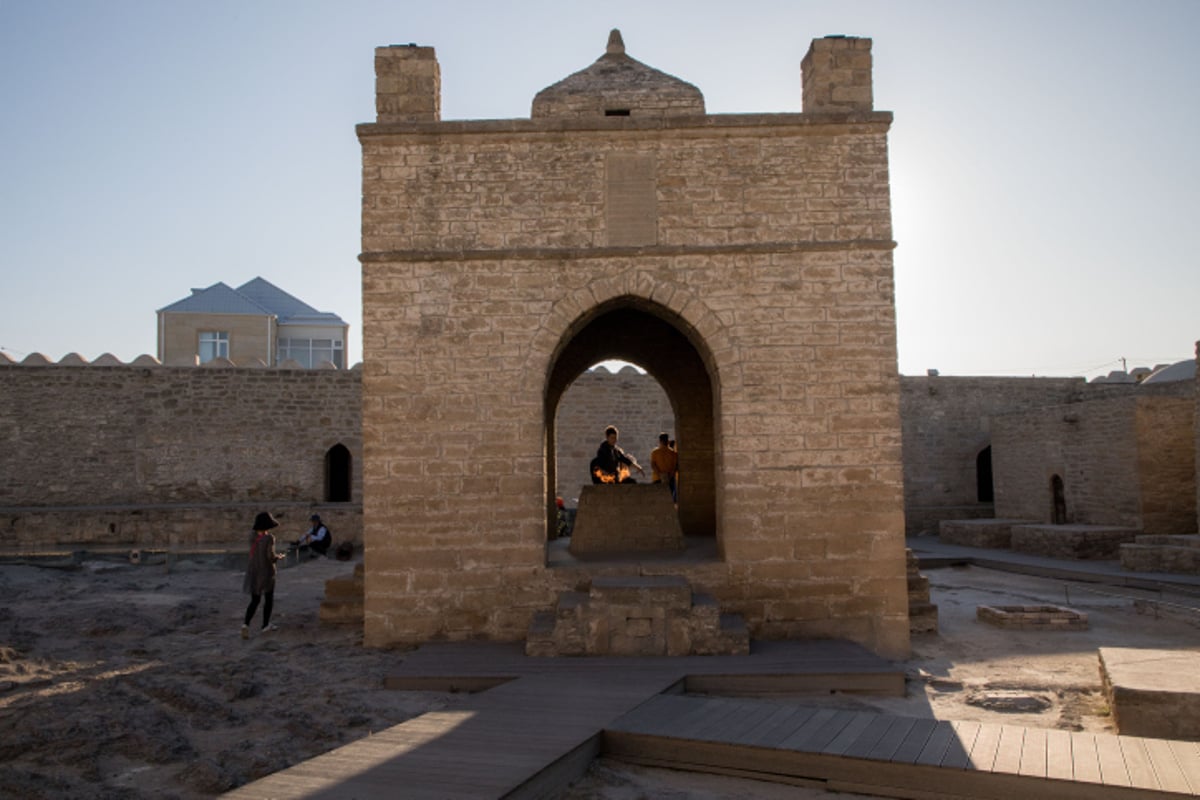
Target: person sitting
x,y
611,464
318,539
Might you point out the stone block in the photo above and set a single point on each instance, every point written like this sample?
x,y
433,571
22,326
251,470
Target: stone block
x,y
1043,618
1153,693
625,518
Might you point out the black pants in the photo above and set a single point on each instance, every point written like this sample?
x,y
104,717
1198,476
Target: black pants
x,y
268,599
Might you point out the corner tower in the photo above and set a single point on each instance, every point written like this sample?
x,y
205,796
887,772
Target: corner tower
x,y
743,260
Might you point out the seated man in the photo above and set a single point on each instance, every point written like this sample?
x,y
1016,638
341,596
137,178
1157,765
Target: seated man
x,y
612,464
318,539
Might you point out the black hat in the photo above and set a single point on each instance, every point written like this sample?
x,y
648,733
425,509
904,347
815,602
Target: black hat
x,y
264,522
315,518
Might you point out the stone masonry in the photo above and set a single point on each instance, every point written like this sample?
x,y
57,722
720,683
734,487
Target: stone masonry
x,y
743,260
94,455
1125,462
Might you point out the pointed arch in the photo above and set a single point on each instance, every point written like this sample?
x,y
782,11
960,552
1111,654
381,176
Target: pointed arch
x,y
659,339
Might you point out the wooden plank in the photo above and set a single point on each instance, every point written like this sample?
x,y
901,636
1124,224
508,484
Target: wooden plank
x,y
958,751
709,725
1008,752
776,732
983,752
1059,761
1112,761
861,721
1166,767
752,735
751,716
1033,753
1085,761
914,743
891,741
935,747
1187,755
861,747
816,741
1137,762
801,733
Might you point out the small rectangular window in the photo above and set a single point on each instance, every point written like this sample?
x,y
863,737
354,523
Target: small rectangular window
x,y
213,344
616,112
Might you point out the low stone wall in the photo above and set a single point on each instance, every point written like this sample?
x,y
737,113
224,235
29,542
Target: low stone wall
x,y
1033,618
1163,554
993,533
28,530
1083,542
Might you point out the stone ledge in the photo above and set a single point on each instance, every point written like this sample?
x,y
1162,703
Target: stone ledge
x,y
991,533
1083,542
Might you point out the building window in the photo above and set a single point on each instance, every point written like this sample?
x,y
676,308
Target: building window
x,y
309,353
213,344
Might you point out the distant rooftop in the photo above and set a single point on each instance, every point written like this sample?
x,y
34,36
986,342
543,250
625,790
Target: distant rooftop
x,y
257,297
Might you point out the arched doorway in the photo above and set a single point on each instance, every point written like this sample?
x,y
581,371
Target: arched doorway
x,y
645,333
984,487
337,474
1058,500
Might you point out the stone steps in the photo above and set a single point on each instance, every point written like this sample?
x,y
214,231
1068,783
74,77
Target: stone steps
x,y
343,603
922,614
636,616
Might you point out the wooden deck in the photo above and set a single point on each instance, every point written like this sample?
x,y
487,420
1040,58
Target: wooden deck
x,y
535,724
893,756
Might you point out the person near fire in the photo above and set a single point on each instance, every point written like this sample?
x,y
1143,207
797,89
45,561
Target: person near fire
x,y
611,461
664,462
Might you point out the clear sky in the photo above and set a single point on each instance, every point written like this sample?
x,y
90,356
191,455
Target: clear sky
x,y
1044,166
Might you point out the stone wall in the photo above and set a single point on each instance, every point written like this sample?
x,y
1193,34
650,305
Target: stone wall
x,y
946,425
102,449
1123,461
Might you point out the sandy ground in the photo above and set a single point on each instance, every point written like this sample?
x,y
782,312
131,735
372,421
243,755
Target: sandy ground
x,y
121,681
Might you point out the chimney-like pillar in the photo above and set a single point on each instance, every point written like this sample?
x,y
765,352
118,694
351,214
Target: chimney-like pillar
x,y
836,74
408,84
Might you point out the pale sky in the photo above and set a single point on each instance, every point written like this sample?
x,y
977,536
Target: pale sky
x,y
1044,167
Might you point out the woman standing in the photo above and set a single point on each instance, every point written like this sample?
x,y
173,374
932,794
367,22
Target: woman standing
x,y
260,572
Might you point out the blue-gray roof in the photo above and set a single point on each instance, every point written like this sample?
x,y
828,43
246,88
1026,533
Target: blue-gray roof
x,y
258,297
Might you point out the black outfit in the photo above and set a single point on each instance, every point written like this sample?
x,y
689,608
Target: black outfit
x,y
607,459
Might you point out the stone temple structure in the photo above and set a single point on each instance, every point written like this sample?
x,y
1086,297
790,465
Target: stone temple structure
x,y
745,261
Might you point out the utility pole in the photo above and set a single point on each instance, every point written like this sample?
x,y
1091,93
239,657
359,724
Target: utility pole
x,y
1124,366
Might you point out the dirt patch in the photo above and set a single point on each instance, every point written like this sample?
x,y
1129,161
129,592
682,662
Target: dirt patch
x,y
123,681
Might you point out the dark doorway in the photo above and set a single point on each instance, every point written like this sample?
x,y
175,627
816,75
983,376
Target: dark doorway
x,y
337,474
1060,501
984,488
655,338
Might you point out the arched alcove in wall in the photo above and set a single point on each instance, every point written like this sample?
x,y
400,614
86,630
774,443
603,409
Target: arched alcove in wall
x,y
1058,500
984,487
645,333
337,474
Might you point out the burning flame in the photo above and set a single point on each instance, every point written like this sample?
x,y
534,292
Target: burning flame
x,y
608,477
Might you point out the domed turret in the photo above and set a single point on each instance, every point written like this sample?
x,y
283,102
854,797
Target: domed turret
x,y
618,86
